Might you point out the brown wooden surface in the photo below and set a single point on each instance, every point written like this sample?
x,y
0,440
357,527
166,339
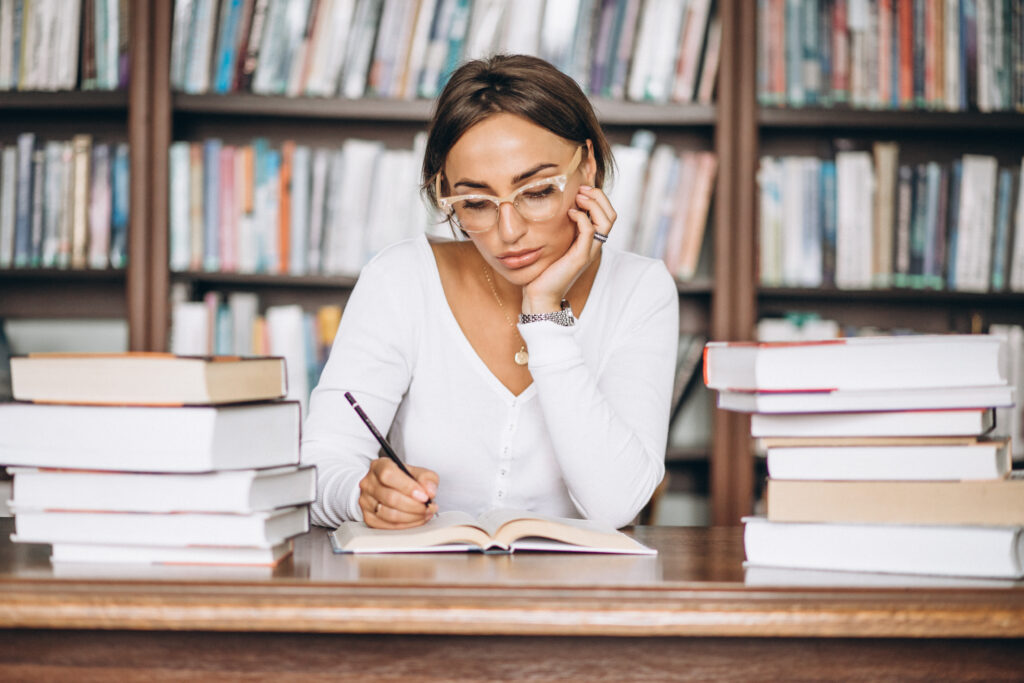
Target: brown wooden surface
x,y
683,615
694,587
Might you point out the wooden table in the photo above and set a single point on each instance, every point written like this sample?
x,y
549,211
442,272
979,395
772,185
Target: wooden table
x,y
685,614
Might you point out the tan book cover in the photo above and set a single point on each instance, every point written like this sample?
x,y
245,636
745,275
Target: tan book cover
x,y
997,502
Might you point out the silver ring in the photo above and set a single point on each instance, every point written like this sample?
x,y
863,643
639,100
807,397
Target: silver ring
x,y
600,237
376,510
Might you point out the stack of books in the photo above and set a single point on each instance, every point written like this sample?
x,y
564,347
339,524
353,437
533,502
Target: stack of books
x,y
878,459
155,458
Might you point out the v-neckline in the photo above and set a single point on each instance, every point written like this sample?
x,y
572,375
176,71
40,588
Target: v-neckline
x,y
467,348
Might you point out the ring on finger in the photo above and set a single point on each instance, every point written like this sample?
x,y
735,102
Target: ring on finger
x,y
600,237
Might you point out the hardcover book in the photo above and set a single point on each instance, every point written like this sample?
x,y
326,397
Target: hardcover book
x,y
497,530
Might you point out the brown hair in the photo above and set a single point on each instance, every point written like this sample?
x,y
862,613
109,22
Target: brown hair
x,y
513,84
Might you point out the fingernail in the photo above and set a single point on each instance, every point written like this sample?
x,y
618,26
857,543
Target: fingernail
x,y
432,489
420,496
586,187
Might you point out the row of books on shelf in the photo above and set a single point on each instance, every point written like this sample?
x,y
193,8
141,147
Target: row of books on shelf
x,y
48,45
235,324
658,50
205,468
879,454
63,203
302,210
950,55
867,220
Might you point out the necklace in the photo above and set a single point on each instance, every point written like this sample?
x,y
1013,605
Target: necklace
x,y
522,356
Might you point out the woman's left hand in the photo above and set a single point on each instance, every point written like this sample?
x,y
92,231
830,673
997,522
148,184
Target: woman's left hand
x,y
593,213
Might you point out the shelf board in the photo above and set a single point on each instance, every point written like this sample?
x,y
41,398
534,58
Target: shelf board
x,y
266,280
693,287
836,117
929,296
62,274
74,100
417,111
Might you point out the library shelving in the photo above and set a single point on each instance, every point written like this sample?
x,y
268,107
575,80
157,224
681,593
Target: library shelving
x,y
723,303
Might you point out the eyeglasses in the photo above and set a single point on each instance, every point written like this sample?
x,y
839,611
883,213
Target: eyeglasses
x,y
535,201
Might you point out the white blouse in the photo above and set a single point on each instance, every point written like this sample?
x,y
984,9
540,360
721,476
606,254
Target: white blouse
x,y
586,439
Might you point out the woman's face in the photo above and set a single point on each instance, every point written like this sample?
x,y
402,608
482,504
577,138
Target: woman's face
x,y
498,156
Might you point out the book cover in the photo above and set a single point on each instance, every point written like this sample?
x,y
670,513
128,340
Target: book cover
x,y
964,422
100,207
120,191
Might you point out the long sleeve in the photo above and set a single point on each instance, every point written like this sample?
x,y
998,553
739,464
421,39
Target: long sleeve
x,y
608,420
371,357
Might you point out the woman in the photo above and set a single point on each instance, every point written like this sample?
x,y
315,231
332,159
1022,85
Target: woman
x,y
521,366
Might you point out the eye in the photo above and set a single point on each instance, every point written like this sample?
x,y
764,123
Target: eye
x,y
540,192
478,205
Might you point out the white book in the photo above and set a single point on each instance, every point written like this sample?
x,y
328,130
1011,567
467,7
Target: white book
x,y
556,32
34,23
385,49
109,76
243,307
522,36
1017,262
976,223
885,423
238,492
180,228
65,76
891,548
388,210
317,209
8,79
181,32
349,237
199,47
938,462
299,219
258,529
8,184
854,223
151,438
626,195
793,190
951,50
661,74
867,400
65,555
770,228
1010,418
330,40
286,333
190,329
983,20
396,80
484,27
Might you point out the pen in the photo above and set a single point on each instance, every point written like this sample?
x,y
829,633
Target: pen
x,y
388,450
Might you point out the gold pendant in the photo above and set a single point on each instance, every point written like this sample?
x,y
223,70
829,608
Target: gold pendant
x,y
522,357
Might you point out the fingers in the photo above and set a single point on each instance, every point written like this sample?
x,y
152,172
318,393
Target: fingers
x,y
597,216
391,499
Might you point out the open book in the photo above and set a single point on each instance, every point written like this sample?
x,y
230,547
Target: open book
x,y
497,530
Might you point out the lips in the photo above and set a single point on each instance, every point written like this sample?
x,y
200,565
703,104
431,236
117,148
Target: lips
x,y
519,259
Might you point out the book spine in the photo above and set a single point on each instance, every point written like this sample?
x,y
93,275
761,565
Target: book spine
x,y
82,158
99,207
8,194
120,187
211,204
38,205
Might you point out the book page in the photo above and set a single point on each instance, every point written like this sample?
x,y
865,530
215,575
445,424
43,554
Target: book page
x,y
448,529
509,526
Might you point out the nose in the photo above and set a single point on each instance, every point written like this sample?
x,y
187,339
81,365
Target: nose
x,y
511,225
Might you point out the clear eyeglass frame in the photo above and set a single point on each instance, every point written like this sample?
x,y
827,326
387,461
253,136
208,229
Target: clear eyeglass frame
x,y
560,181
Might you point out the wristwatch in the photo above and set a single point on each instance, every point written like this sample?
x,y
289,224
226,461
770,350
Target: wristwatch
x,y
563,317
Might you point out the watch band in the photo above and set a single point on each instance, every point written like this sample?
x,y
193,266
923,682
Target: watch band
x,y
563,317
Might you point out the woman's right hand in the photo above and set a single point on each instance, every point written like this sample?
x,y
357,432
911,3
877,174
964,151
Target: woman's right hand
x,y
391,500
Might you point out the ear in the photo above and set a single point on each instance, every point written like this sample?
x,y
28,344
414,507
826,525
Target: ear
x,y
590,165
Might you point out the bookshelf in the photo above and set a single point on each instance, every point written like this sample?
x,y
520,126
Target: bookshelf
x,y
724,303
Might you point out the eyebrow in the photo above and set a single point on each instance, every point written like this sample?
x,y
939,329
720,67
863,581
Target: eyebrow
x,y
516,179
